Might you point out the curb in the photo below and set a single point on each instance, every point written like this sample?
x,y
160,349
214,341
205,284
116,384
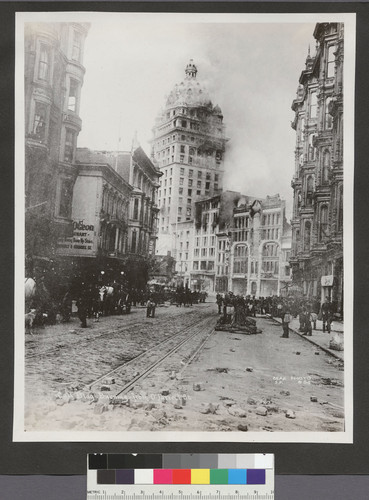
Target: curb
x,y
325,349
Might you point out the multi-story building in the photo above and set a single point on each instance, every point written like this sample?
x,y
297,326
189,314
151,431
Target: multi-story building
x,y
97,249
259,245
116,192
213,216
188,146
317,221
183,252
53,80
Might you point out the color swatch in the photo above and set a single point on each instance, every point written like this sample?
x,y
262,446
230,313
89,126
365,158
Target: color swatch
x,y
173,469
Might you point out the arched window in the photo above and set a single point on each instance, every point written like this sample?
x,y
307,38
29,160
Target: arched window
x,y
307,236
324,228
326,165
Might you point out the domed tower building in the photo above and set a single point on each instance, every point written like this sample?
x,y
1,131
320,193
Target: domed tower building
x,y
188,146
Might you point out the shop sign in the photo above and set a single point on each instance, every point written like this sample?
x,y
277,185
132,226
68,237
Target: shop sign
x,y
327,280
82,241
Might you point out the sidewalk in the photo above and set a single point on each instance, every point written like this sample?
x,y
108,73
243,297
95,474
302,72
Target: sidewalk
x,y
319,338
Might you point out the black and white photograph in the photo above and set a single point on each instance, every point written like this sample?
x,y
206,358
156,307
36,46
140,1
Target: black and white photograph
x,y
184,236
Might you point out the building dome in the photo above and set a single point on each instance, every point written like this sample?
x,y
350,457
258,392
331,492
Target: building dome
x,y
189,92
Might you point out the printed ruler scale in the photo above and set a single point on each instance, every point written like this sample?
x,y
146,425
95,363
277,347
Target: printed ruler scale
x,y
180,477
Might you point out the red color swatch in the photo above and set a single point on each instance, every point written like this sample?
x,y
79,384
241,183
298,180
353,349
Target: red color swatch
x,y
181,476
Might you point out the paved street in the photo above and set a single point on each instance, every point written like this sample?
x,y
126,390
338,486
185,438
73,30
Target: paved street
x,y
174,372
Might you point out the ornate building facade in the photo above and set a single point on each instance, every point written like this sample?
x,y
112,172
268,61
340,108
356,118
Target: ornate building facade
x,y
116,192
188,146
317,220
259,245
54,75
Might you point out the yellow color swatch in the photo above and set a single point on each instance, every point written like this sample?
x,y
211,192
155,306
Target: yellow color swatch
x,y
200,476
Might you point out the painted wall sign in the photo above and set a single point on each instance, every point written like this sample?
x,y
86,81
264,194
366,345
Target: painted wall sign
x,y
81,243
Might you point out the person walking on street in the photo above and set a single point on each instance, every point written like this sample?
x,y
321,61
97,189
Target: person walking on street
x,y
327,315
219,303
286,318
82,304
307,322
150,308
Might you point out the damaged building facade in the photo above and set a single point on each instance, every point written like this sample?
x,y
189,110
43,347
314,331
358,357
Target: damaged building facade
x,y
241,244
188,147
317,220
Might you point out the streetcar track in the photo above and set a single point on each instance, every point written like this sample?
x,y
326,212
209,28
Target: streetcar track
x,y
146,372
88,340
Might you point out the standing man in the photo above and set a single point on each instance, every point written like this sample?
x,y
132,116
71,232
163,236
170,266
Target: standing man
x,y
286,318
219,303
82,304
327,315
150,308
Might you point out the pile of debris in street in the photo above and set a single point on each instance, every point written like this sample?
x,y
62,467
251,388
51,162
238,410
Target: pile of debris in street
x,y
230,324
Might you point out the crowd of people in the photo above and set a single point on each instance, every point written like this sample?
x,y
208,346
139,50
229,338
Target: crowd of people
x,y
96,300
307,310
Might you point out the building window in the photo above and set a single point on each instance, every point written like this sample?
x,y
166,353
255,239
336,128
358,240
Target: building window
x,y
328,120
134,241
313,105
66,193
190,182
307,236
70,136
199,184
198,192
180,190
182,149
44,63
195,265
179,210
326,165
189,201
331,61
39,121
309,191
73,94
207,186
183,123
135,209
181,158
324,229
199,174
181,179
76,47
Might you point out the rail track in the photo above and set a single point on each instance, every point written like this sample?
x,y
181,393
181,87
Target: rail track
x,y
59,347
145,363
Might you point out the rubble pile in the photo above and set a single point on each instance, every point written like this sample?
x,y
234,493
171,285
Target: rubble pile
x,y
247,326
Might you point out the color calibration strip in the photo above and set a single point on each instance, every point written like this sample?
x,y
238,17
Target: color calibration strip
x,y
180,476
180,469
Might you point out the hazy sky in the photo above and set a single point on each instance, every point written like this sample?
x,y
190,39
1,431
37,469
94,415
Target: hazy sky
x,y
250,70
